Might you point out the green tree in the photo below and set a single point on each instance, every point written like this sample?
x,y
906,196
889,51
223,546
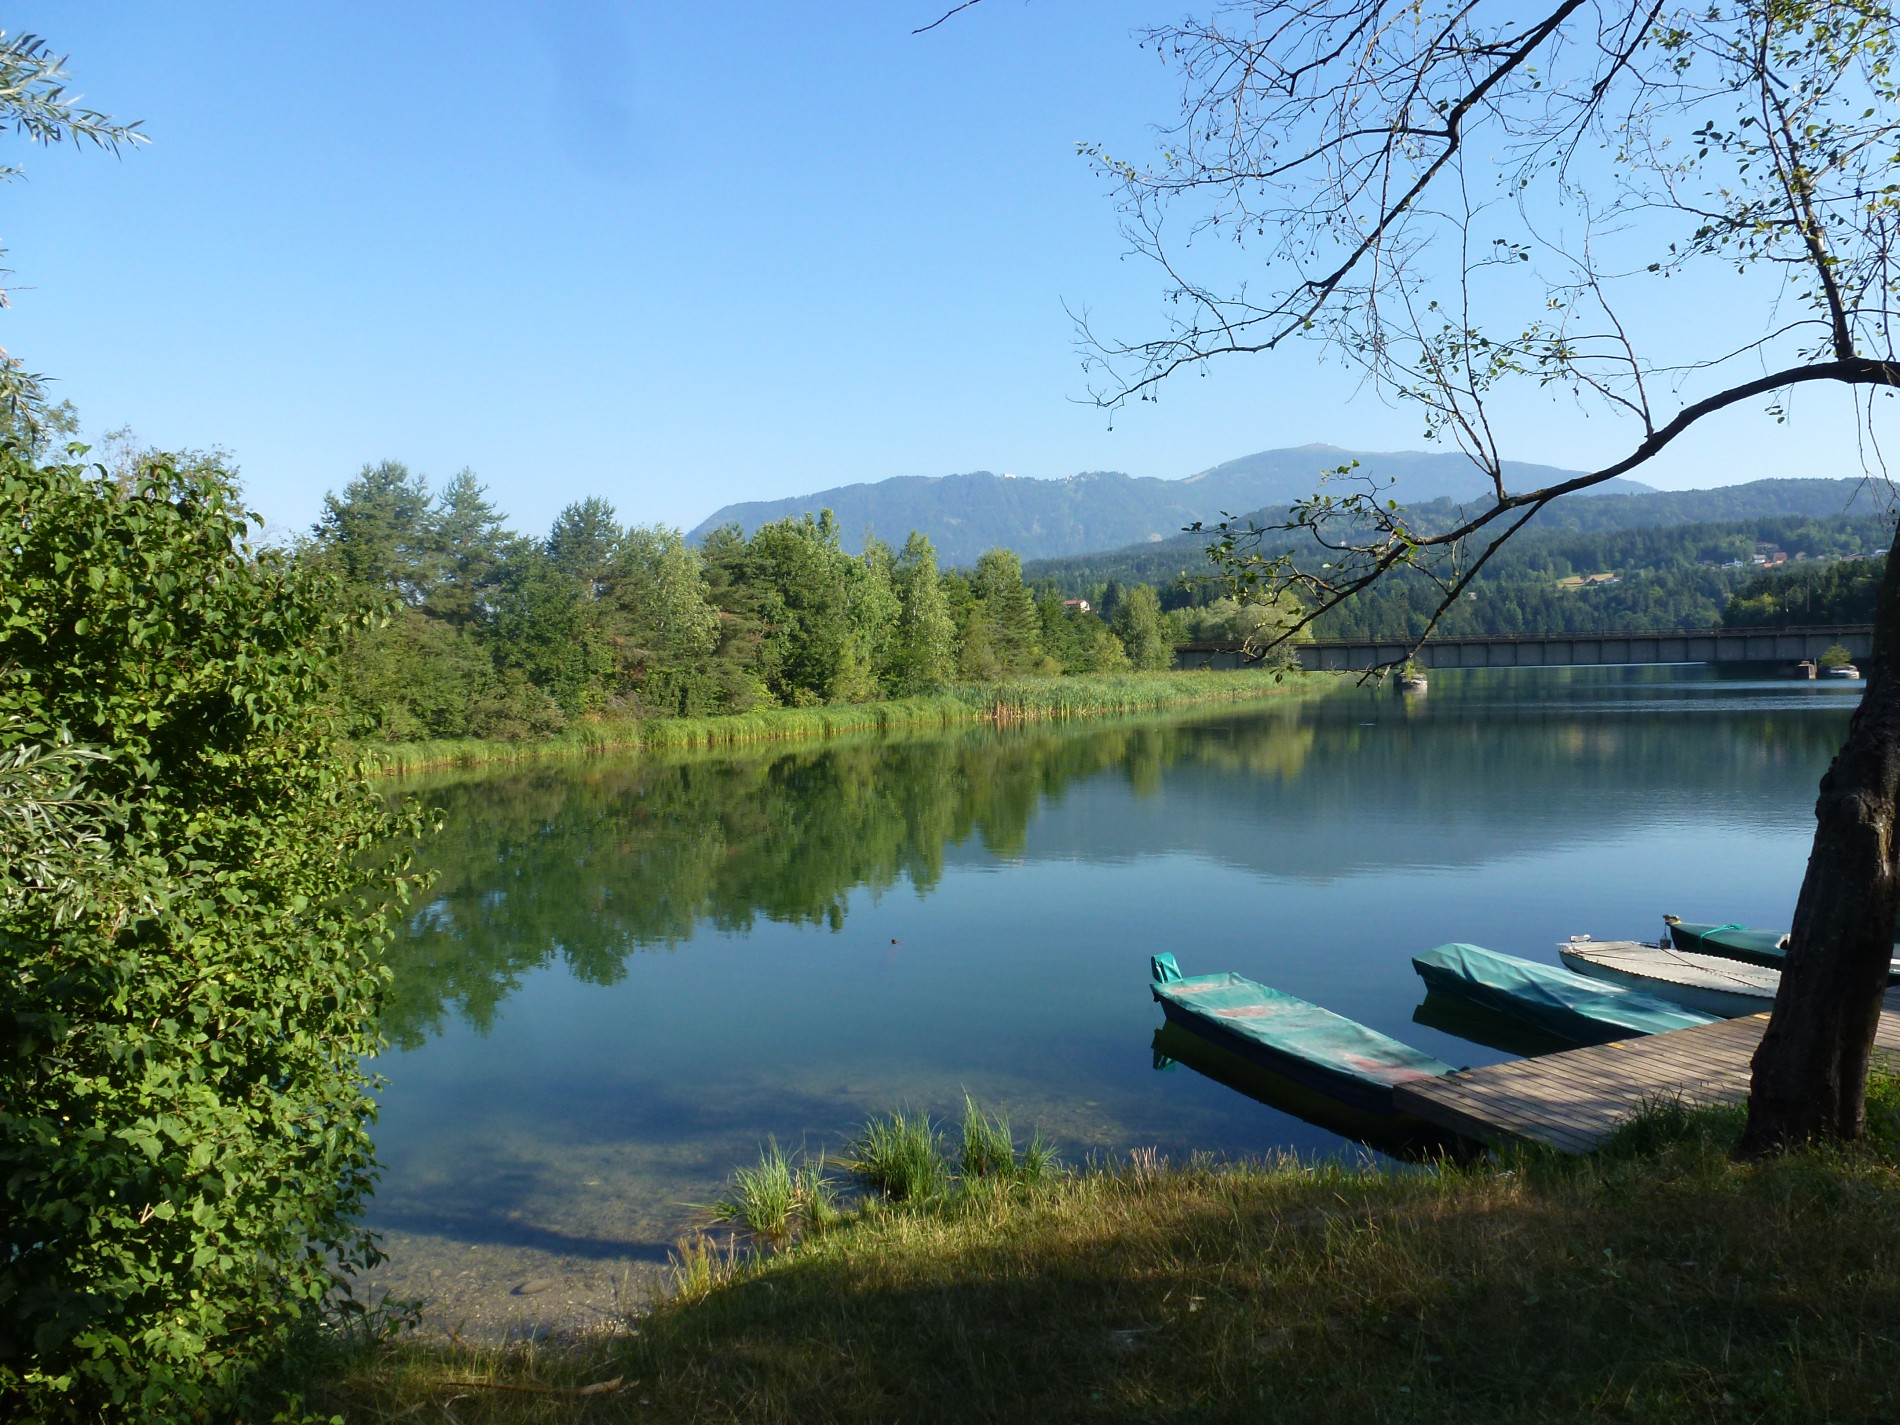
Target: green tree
x,y
871,591
665,625
803,577
1138,624
742,652
470,544
1059,635
549,632
924,651
381,535
427,578
187,1003
1008,609
583,542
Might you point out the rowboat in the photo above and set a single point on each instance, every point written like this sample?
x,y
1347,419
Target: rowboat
x,y
1711,983
1302,1043
1734,942
1561,1002
1402,1135
1738,942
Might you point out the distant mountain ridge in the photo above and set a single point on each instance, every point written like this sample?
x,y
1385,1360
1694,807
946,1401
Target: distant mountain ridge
x,y
1043,519
1160,562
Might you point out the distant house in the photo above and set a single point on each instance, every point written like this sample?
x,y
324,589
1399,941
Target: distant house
x,y
1082,604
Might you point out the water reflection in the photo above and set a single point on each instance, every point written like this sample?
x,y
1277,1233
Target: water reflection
x,y
631,972
583,864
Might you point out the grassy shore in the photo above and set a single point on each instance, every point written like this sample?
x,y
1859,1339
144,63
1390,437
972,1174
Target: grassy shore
x,y
1015,701
1654,1281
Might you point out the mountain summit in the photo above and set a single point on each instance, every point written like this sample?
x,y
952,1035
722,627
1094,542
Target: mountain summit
x,y
1104,509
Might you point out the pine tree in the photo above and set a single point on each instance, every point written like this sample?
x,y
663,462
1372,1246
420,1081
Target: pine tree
x,y
1009,609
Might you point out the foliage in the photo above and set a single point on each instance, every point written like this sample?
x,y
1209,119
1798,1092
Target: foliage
x,y
924,653
469,631
1844,592
1138,625
191,952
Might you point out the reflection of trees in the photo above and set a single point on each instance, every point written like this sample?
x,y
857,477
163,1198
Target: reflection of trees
x,y
588,862
1454,787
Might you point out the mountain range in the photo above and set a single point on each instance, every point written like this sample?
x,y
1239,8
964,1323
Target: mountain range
x,y
1043,519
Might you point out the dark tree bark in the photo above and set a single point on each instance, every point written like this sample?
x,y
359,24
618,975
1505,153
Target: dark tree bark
x,y
1810,1072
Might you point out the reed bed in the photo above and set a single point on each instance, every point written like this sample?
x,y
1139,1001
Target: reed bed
x,y
1656,1281
1010,702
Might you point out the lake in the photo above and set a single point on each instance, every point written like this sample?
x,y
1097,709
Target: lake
x,y
631,974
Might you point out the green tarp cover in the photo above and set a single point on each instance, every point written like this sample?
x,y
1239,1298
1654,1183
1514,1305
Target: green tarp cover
x,y
1762,947
1287,1027
1562,1001
1752,947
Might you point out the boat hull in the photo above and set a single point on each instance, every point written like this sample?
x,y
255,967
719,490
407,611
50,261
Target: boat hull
x,y
1730,1001
1353,1092
1301,1042
1399,1134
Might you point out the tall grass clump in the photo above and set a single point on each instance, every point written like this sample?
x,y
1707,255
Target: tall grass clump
x,y
988,1150
779,1198
762,1199
900,1156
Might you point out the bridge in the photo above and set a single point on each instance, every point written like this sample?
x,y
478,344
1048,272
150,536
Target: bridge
x,y
1564,650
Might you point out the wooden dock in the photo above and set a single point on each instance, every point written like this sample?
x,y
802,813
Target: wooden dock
x,y
1571,1101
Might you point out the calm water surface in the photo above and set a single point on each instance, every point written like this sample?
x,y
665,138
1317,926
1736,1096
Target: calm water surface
x,y
633,973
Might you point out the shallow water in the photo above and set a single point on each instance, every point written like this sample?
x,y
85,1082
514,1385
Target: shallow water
x,y
634,973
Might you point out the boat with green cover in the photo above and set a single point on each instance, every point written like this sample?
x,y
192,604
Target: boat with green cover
x,y
1562,1002
1768,948
1402,1135
1301,1042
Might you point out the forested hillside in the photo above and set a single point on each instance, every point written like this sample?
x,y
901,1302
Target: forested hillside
x,y
1843,592
473,630
1679,577
1162,562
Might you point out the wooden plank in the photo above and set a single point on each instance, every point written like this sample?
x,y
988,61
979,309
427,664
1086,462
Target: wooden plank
x,y
1571,1101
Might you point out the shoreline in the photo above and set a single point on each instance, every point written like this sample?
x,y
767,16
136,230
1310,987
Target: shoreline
x,y
1657,1273
1003,704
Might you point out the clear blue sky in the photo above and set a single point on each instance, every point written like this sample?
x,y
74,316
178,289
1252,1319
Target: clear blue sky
x,y
673,255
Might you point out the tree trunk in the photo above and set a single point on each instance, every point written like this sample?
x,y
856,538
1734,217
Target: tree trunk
x,y
1810,1073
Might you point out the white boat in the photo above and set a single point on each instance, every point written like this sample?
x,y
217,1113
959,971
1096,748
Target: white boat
x,y
1710,983
1841,670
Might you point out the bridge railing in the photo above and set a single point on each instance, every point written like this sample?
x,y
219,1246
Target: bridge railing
x,y
1561,650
